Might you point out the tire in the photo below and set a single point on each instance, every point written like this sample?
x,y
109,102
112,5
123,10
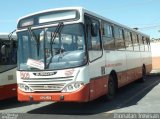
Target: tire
x,y
111,88
143,79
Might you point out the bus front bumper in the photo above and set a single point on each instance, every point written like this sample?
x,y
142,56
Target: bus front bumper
x,y
81,95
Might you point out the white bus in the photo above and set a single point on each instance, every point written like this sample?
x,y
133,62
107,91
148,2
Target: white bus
x,y
74,55
8,63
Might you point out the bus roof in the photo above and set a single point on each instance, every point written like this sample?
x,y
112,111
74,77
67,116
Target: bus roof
x,y
83,10
4,36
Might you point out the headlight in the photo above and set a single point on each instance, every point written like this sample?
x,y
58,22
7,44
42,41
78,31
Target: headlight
x,y
24,87
73,87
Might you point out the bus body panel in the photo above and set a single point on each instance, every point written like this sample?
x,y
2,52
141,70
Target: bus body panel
x,y
98,87
116,61
8,77
8,91
8,82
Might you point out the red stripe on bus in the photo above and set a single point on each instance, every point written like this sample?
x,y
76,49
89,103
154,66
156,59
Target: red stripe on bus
x,y
99,85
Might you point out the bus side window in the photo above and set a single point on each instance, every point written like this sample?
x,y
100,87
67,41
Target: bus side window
x,y
135,42
95,35
8,52
141,43
107,36
119,38
3,59
0,53
145,44
128,40
148,43
138,41
93,38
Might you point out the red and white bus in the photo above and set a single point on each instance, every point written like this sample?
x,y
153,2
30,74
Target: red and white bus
x,y
8,64
74,55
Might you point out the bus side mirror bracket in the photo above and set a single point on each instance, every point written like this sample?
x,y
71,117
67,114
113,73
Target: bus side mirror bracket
x,y
94,29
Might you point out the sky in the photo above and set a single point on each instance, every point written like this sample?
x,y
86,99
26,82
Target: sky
x,y
142,14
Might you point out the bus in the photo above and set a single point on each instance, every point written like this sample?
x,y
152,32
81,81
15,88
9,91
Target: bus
x,y
8,64
74,55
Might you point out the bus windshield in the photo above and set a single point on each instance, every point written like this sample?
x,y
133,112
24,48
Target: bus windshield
x,y
49,48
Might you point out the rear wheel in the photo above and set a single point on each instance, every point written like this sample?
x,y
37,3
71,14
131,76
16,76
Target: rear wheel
x,y
143,79
111,88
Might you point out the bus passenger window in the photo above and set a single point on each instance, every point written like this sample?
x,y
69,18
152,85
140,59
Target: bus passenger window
x,y
93,38
8,53
135,42
119,38
145,44
128,40
148,43
142,43
107,36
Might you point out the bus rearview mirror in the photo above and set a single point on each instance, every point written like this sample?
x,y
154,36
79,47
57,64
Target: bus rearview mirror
x,y
94,29
3,49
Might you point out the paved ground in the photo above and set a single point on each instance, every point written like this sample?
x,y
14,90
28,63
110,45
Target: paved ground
x,y
134,98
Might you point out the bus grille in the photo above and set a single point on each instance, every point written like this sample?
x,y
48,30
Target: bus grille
x,y
47,85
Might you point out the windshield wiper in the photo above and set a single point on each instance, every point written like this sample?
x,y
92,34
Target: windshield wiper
x,y
34,37
58,30
53,37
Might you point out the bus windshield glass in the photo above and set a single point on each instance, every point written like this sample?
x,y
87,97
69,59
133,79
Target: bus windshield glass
x,y
51,48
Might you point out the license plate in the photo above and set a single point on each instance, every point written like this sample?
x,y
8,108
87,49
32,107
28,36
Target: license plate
x,y
45,98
